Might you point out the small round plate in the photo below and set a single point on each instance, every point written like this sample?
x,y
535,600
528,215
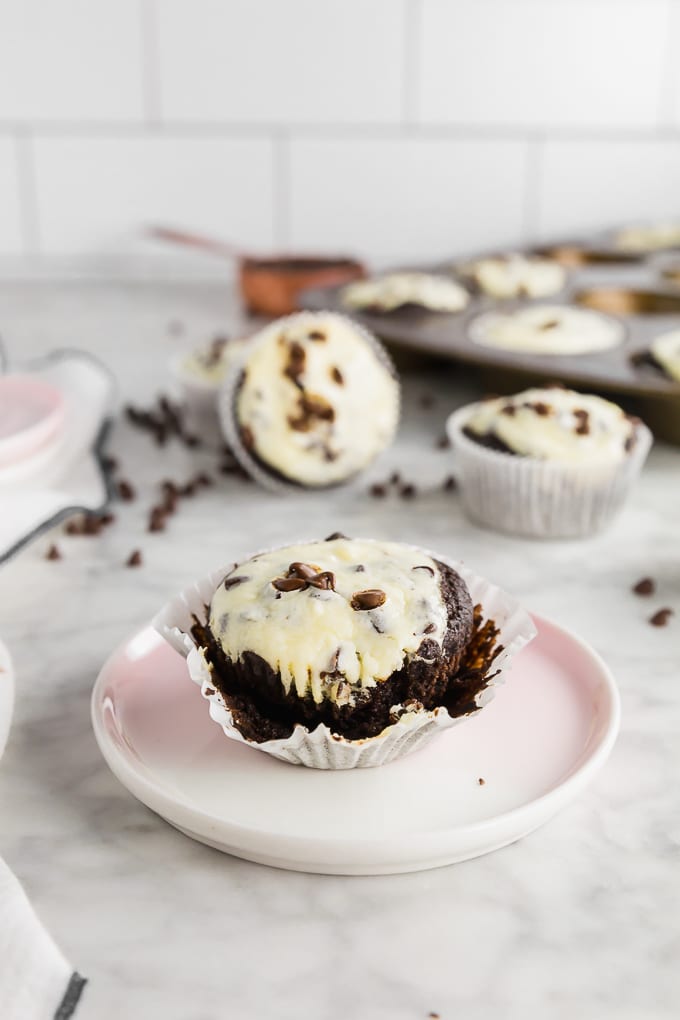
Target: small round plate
x,y
535,746
6,695
32,412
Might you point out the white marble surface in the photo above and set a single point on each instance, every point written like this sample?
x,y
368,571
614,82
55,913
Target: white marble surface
x,y
582,918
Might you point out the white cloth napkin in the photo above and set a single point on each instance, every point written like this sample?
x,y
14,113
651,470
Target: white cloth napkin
x,y
36,981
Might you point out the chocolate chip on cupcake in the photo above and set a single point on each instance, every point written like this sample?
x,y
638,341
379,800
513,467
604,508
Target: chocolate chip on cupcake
x,y
547,329
313,402
398,290
347,633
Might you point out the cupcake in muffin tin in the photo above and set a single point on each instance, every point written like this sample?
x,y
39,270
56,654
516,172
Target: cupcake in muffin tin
x,y
312,402
547,329
548,462
201,371
514,276
345,652
394,291
664,353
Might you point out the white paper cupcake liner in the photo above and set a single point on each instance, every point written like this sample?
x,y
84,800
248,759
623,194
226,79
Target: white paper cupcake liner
x,y
536,498
226,401
320,748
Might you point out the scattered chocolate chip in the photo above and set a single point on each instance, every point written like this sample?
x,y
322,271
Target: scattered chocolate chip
x,y
443,443
360,568
126,492
134,559
433,1016
203,479
645,586
430,629
53,553
395,478
378,491
156,519
231,582
192,441
408,491
296,362
311,407
107,519
481,781
335,536
449,484
209,692
661,617
336,376
110,463
550,324
509,409
541,408
424,566
368,599
316,334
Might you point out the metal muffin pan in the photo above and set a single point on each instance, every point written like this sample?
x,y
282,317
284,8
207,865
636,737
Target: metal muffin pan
x,y
639,291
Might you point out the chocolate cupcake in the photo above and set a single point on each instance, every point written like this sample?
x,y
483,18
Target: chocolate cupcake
x,y
547,462
547,329
344,653
313,402
429,291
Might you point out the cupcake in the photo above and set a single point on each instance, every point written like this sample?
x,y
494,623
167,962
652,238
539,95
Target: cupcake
x,y
649,237
201,372
513,276
399,290
546,329
664,352
548,462
344,652
313,401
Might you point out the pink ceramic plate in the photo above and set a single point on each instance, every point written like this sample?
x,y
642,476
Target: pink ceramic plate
x,y
536,745
31,414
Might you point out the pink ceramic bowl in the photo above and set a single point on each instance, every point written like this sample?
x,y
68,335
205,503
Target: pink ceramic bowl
x,y
32,413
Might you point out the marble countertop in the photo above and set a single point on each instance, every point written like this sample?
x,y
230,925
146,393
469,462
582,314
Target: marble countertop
x,y
582,918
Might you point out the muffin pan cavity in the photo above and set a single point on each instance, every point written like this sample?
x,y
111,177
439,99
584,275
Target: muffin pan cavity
x,y
622,301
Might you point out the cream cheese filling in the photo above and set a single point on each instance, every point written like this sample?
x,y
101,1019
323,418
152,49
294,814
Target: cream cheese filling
x,y
328,642
316,403
665,350
436,293
556,424
547,329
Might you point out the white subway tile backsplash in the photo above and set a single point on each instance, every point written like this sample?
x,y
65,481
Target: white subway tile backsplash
x,y
397,198
543,63
591,184
70,60
326,61
11,239
96,194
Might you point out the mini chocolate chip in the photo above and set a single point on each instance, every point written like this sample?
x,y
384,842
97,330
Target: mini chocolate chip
x,y
541,408
646,586
134,559
408,491
247,437
335,536
370,598
316,334
450,484
359,569
209,692
110,463
231,582
53,553
583,425
510,410
203,479
303,570
107,519
443,443
550,324
481,781
395,478
424,566
430,629
192,441
378,491
125,491
661,617
156,519
325,580
289,583
336,376
629,443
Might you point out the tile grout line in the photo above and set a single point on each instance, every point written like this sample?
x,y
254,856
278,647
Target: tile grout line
x,y
150,69
410,89
28,192
668,104
532,186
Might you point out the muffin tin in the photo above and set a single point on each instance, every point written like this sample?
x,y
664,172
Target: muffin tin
x,y
641,291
